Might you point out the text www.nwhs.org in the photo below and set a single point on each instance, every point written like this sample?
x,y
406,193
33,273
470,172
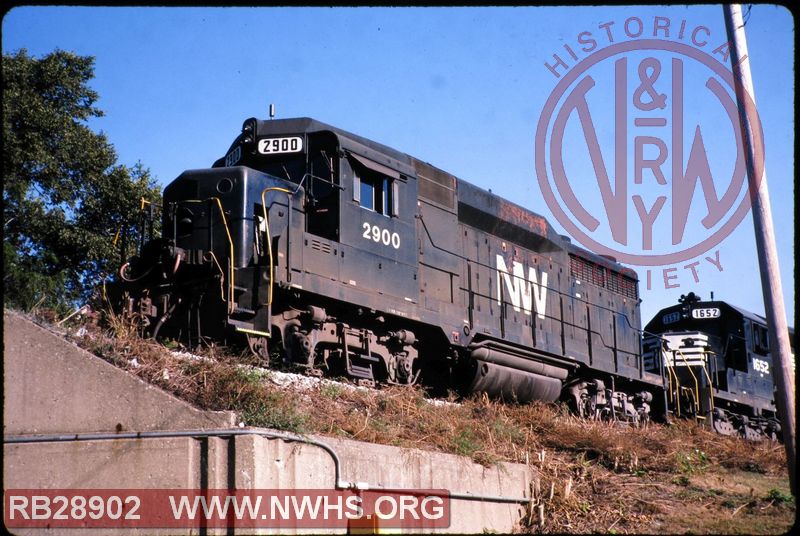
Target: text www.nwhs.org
x,y
176,508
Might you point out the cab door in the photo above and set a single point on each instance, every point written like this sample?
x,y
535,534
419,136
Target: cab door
x,y
322,202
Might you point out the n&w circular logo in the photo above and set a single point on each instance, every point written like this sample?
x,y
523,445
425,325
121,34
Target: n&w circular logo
x,y
638,149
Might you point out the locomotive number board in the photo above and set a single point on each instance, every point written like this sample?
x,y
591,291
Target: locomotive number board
x,y
706,312
291,144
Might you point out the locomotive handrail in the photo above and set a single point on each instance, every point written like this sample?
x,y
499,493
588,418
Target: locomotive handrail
x,y
267,233
710,389
142,203
290,194
672,393
668,372
696,383
231,276
708,377
231,283
219,267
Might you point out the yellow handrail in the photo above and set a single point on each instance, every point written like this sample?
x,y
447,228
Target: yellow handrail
x,y
231,271
710,386
142,203
674,393
696,383
267,236
230,260
668,369
214,258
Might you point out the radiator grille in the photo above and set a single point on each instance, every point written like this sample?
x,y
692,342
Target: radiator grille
x,y
589,272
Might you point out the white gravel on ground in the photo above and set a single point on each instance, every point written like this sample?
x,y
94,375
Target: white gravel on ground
x,y
300,382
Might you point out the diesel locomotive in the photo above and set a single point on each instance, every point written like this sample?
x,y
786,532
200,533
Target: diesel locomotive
x,y
355,259
717,366
349,258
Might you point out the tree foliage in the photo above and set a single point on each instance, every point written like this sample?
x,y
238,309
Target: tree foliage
x,y
65,197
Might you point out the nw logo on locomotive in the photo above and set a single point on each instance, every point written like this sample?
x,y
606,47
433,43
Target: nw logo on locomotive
x,y
522,291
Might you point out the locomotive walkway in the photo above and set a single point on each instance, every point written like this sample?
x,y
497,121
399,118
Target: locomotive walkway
x,y
71,420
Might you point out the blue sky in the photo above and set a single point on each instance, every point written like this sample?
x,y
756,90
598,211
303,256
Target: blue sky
x,y
462,88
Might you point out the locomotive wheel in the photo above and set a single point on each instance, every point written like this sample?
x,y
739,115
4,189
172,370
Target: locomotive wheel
x,y
260,348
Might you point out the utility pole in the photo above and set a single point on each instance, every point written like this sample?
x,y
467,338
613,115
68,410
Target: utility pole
x,y
765,236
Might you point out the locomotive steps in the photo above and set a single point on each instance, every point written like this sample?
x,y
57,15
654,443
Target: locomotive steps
x,y
661,480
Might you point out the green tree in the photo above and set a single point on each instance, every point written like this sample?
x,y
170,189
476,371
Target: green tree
x,y
65,197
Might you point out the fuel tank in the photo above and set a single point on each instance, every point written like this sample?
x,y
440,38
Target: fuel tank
x,y
509,374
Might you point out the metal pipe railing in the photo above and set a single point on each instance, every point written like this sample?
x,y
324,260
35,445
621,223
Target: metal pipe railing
x,y
340,483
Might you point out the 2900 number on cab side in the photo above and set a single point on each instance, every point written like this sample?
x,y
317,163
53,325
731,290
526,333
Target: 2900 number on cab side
x,y
381,236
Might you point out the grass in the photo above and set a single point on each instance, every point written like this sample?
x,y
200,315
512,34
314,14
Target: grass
x,y
593,476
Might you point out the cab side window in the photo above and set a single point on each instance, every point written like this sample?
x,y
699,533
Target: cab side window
x,y
760,339
375,191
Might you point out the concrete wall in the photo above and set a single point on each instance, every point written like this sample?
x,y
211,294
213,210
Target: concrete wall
x,y
293,465
51,386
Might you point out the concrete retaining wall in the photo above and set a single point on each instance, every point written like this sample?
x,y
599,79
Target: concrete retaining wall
x,y
53,387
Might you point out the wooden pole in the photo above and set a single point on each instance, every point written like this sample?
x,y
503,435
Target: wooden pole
x,y
780,348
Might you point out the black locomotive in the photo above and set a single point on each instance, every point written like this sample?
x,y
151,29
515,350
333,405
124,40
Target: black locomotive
x,y
360,260
717,366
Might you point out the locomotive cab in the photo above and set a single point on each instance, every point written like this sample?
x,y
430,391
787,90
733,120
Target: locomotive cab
x,y
308,160
359,203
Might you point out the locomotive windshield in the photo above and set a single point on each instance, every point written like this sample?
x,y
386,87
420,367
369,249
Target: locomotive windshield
x,y
291,168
